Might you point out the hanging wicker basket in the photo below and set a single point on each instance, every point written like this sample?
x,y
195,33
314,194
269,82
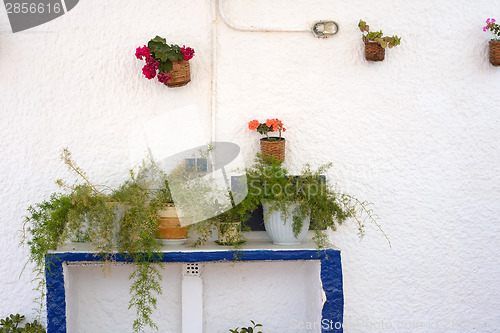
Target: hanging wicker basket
x,y
495,53
374,52
181,74
273,148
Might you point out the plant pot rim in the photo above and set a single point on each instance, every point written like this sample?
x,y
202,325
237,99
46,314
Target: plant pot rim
x,y
168,211
371,42
273,137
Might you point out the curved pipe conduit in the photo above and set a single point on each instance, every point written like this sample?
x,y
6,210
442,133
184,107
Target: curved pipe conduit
x,y
320,29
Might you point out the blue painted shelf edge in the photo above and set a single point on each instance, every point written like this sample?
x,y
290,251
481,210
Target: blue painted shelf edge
x,y
331,276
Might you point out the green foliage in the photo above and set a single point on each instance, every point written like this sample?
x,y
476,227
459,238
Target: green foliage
x,y
46,223
164,53
196,196
11,325
377,36
249,329
230,224
124,218
145,285
272,183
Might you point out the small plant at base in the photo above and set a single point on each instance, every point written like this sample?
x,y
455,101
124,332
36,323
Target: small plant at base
x,y
271,125
493,27
376,36
11,325
249,329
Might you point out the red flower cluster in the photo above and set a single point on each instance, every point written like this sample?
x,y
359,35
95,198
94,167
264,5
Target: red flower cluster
x,y
149,70
163,78
275,125
188,52
143,52
271,125
253,125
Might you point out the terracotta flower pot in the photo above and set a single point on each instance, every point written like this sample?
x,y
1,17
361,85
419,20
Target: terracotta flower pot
x,y
170,226
181,74
495,53
374,52
274,148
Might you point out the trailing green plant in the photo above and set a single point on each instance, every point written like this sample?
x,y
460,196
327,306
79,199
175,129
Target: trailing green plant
x,y
137,238
249,329
377,36
310,195
124,218
47,223
11,324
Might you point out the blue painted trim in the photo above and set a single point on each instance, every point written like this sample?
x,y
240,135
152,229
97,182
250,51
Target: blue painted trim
x,y
332,316
331,278
56,297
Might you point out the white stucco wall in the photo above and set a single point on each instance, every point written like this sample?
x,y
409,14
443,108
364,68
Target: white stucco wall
x,y
416,134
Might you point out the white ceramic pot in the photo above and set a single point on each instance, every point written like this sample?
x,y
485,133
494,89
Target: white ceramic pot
x,y
280,230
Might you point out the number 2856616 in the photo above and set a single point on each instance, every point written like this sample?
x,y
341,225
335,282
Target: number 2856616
x,y
32,8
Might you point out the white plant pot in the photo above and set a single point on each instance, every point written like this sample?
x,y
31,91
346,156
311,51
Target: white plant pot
x,y
280,230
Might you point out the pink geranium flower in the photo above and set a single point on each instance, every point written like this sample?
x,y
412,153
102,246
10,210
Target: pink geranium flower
x,y
188,52
142,52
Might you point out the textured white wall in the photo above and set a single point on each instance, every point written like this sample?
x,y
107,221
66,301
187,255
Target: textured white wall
x,y
416,134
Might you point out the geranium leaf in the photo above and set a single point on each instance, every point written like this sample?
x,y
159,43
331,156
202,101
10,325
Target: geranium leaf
x,y
165,66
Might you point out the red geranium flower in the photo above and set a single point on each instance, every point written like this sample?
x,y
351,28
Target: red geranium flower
x,y
253,124
142,52
188,52
271,125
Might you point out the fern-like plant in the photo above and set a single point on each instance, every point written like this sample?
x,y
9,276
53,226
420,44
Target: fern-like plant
x,y
311,196
124,219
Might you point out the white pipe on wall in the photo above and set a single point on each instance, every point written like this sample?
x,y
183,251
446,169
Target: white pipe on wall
x,y
213,103
230,24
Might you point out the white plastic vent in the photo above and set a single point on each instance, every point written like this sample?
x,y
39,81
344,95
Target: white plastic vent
x,y
191,269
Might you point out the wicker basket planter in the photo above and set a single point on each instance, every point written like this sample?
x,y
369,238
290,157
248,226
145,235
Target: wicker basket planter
x,y
274,148
181,74
495,53
374,52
